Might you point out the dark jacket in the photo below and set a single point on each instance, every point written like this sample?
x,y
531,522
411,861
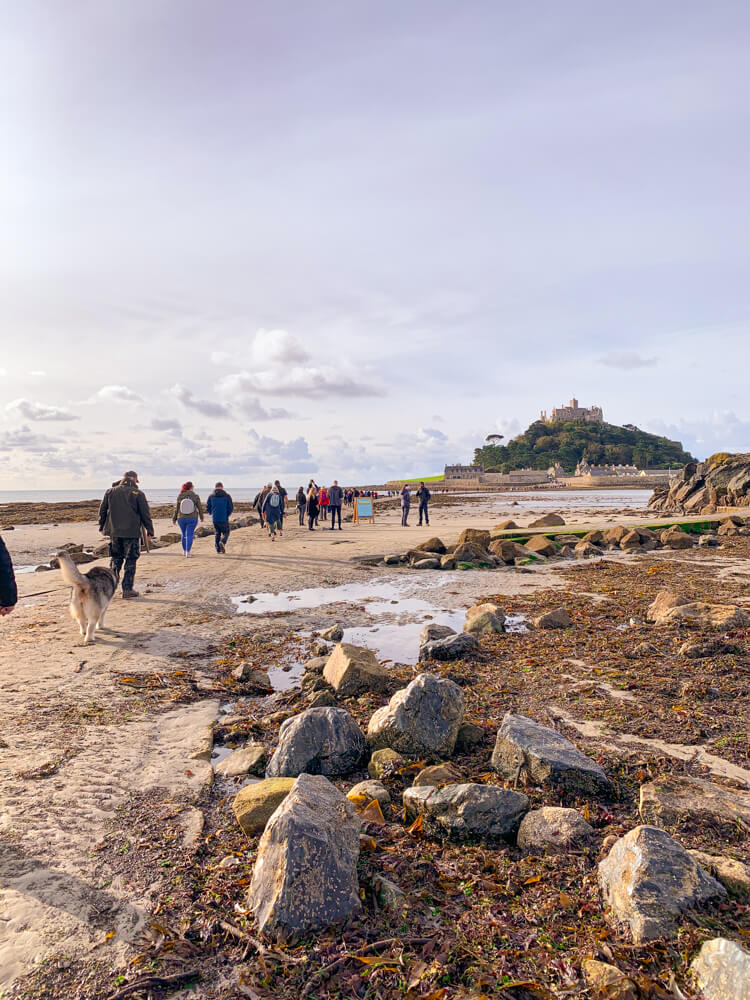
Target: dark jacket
x,y
424,494
335,496
123,510
219,506
406,497
8,592
273,512
301,498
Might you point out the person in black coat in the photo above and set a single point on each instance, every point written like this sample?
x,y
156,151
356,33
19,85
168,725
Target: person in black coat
x,y
8,591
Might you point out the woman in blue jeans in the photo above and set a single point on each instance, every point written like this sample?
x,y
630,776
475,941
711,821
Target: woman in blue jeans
x,y
187,510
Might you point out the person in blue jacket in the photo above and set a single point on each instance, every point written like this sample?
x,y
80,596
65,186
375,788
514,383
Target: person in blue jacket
x,y
220,508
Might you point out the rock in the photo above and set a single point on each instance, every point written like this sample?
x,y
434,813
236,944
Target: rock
x,y
613,535
665,600
392,560
322,699
649,881
254,804
470,735
43,569
467,552
390,898
507,525
671,800
432,545
437,774
371,790
316,665
701,650
676,538
474,536
249,760
354,670
547,758
595,537
101,550
708,541
171,537
554,828
323,741
630,540
566,540
77,557
426,564
608,981
541,546
432,632
559,618
305,875
722,970
320,649
701,615
245,673
477,609
423,718
585,550
333,634
447,562
467,810
229,861
724,480
485,623
727,528
453,647
508,551
385,763
548,521
734,875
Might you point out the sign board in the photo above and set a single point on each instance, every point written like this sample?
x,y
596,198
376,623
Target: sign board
x,y
363,509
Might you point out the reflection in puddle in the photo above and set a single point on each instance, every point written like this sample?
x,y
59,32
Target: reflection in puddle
x,y
346,593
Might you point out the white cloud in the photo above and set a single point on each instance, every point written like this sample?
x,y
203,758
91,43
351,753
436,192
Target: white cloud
x,y
308,382
39,411
278,347
205,407
252,408
164,424
627,361
24,439
38,374
116,394
432,434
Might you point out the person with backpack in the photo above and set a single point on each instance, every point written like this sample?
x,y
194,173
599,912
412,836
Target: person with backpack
x,y
187,509
301,506
273,512
220,507
423,495
405,505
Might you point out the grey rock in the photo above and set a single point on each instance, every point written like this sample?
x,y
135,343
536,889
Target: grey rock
x,y
323,741
547,757
452,647
555,829
722,970
390,898
305,875
322,699
470,735
384,763
559,618
432,632
333,634
249,760
466,810
708,541
423,718
372,789
649,881
316,665
485,623
672,799
426,564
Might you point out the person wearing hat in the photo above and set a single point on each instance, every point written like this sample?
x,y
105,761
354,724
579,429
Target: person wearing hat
x,y
123,512
219,505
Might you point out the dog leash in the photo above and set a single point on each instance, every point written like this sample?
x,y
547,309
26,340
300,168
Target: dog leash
x,y
41,593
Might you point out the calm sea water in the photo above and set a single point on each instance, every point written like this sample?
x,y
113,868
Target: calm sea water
x,y
154,496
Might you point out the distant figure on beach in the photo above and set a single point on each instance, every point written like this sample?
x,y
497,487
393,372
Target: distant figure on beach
x,y
423,495
323,502
284,499
405,505
220,507
301,506
273,512
312,506
187,510
123,513
261,504
8,591
335,499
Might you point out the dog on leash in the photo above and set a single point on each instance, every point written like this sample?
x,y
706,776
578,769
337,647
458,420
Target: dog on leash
x,y
90,595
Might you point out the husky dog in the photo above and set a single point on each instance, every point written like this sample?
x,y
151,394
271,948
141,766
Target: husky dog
x,y
90,595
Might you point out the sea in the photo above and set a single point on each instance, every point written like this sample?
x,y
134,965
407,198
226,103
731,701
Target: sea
x,y
153,496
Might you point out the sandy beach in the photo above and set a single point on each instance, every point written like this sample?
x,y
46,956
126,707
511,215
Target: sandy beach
x,y
77,749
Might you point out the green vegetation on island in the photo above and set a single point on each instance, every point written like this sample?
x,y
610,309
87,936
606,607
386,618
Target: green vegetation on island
x,y
542,445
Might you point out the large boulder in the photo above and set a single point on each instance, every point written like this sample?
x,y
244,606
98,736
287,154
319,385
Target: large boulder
x,y
249,760
540,545
452,647
676,538
559,618
733,874
648,880
507,525
305,875
421,719
318,741
433,631
664,601
254,805
470,552
547,758
724,480
474,536
461,811
699,614
432,545
507,550
547,521
555,829
672,800
586,550
485,623
353,670
722,970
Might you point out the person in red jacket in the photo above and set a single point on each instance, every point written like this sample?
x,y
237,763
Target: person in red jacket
x,y
323,502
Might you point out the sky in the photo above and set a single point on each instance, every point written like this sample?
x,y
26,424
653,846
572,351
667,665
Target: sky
x,y
349,238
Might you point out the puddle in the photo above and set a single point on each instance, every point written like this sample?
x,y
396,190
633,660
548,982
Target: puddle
x,y
345,593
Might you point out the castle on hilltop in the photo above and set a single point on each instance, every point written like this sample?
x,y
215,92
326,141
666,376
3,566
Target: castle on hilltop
x,y
582,414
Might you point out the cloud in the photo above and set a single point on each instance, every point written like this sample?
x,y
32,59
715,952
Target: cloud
x,y
721,430
252,408
278,347
203,406
116,394
627,361
307,382
270,450
38,374
39,411
165,424
432,434
24,439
